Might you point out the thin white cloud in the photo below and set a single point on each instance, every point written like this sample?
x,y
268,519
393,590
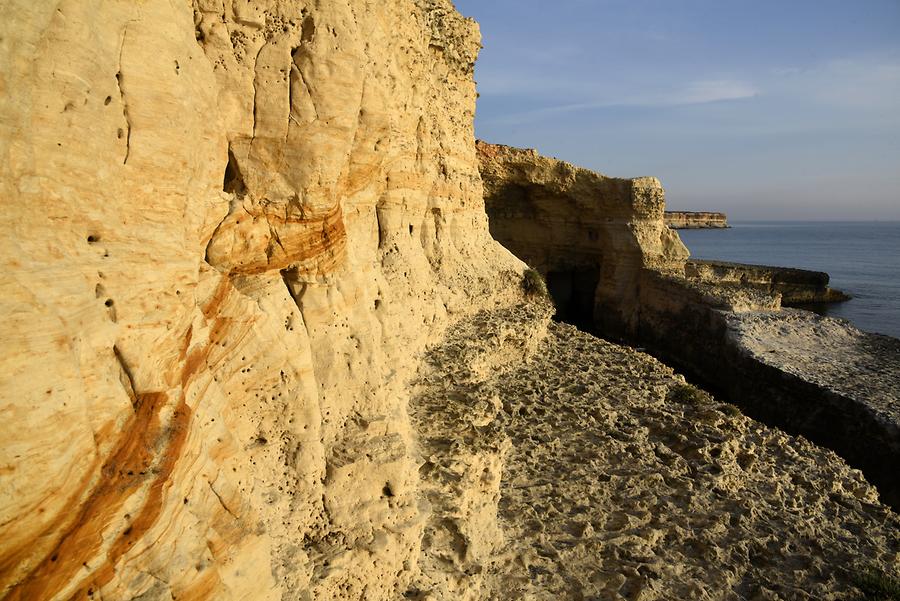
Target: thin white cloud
x,y
715,90
697,92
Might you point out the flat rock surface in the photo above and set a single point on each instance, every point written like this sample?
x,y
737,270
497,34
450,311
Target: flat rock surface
x,y
826,351
610,488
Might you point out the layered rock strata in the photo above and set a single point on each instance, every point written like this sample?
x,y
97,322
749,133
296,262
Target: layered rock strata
x,y
695,220
796,286
229,230
687,311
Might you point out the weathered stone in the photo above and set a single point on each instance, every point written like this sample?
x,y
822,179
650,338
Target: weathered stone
x,y
692,220
232,230
228,232
624,280
588,234
796,286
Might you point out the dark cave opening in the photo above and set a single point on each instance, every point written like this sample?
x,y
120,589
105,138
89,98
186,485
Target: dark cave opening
x,y
573,294
233,181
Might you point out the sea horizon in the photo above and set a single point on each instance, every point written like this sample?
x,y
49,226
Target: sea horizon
x,y
862,259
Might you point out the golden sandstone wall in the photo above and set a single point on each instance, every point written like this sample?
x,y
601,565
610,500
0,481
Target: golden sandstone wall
x,y
229,230
558,217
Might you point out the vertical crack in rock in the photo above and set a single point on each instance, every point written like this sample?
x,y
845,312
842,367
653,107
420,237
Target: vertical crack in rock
x,y
125,377
255,92
295,68
288,275
274,238
119,85
380,226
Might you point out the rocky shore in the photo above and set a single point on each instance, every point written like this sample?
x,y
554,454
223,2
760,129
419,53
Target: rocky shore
x,y
616,480
796,286
260,340
834,384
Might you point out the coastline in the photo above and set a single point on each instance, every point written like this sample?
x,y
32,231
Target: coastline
x,y
862,259
630,281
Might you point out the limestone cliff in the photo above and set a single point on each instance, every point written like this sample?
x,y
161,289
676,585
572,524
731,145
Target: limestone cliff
x,y
692,220
229,229
588,234
259,343
615,269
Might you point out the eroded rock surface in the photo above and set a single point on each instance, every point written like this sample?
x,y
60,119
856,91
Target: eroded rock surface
x,y
588,234
692,220
229,229
611,272
795,286
614,484
852,383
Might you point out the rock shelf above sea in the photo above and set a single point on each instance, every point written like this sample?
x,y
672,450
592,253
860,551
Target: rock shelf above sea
x,y
616,480
613,272
692,220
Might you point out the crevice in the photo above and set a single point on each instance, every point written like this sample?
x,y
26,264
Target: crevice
x,y
379,227
274,239
286,275
126,378
127,132
222,502
255,92
307,29
296,68
233,181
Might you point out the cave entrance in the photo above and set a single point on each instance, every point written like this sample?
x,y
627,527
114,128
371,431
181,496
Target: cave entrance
x,y
573,294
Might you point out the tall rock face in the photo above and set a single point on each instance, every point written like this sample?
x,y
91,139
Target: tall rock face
x,y
590,235
229,231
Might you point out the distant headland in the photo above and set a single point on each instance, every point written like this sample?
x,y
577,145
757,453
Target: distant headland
x,y
692,220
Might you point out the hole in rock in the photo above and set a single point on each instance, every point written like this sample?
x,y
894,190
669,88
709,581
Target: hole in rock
x,y
308,29
233,182
573,294
107,101
387,491
93,238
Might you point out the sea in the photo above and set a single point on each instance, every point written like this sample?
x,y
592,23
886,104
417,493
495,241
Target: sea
x,y
862,258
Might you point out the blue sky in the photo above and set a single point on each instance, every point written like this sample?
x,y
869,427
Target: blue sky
x,y
763,109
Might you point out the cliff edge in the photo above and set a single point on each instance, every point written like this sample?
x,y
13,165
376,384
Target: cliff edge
x,y
693,220
229,230
259,343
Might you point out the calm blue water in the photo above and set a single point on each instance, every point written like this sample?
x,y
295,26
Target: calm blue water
x,y
863,259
